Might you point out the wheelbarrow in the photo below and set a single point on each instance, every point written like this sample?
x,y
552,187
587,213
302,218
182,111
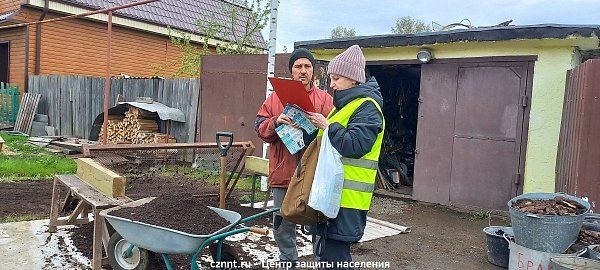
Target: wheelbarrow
x,y
137,238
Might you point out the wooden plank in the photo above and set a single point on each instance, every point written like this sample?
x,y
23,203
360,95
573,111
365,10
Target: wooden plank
x,y
54,206
100,178
257,165
192,117
40,139
109,147
72,146
66,109
97,240
77,211
85,192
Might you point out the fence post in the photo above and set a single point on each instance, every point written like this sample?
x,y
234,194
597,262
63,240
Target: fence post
x,y
15,103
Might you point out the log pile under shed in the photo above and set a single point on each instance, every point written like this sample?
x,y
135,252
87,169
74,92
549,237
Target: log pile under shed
x,y
136,127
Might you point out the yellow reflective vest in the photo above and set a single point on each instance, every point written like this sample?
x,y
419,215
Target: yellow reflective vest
x,y
359,174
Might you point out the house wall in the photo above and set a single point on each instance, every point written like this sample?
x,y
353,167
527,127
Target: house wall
x,y
16,38
8,5
555,57
78,47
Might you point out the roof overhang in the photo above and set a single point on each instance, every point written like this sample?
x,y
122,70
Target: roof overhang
x,y
576,35
6,17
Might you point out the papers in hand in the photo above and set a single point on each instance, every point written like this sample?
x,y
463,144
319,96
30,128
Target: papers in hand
x,y
292,137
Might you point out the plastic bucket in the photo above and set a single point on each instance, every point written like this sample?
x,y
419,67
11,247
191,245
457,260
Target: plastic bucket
x,y
522,258
497,246
595,255
553,234
574,263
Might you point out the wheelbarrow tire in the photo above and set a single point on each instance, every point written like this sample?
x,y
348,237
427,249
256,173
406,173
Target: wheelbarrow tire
x,y
140,259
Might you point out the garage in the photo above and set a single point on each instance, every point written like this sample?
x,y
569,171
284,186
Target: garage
x,y
455,128
478,122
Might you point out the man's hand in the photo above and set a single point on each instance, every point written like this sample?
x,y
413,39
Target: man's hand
x,y
284,119
318,120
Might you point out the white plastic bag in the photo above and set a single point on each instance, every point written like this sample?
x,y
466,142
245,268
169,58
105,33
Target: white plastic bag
x,y
326,190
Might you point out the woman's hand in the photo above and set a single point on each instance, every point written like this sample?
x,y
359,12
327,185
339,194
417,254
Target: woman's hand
x,y
318,120
284,119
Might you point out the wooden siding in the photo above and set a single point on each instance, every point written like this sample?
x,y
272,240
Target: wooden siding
x,y
16,38
79,47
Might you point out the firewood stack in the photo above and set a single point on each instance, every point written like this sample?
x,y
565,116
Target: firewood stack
x,y
136,127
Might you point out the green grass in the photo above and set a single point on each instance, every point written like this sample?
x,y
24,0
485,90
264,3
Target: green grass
x,y
17,218
259,196
480,215
31,162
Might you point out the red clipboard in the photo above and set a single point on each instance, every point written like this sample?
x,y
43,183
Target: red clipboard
x,y
292,92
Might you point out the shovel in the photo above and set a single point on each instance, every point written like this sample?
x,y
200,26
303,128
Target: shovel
x,y
223,149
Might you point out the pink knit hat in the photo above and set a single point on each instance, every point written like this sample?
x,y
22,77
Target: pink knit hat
x,y
350,64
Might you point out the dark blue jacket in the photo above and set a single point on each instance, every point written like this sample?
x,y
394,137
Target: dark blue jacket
x,y
354,141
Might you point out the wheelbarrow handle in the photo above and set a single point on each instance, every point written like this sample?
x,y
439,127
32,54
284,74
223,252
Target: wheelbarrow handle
x,y
259,230
224,148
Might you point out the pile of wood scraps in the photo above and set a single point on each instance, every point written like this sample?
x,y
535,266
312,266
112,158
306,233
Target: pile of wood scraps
x,y
136,126
59,144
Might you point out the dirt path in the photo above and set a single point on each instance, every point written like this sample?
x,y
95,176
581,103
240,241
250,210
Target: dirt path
x,y
441,238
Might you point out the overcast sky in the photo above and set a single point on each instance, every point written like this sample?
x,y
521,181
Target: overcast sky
x,y
300,20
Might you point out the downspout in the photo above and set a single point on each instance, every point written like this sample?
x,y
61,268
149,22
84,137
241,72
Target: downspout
x,y
38,39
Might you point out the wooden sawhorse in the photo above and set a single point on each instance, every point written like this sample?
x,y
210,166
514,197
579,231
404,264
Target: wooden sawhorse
x,y
89,200
257,167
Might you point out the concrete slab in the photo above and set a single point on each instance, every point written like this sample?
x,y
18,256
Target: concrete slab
x,y
27,245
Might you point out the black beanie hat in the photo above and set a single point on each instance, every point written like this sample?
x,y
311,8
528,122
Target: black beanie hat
x,y
300,53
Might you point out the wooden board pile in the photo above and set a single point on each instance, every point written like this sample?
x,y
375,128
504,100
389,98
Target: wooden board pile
x,y
136,127
559,206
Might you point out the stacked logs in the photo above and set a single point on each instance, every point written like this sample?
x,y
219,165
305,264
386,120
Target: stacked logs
x,y
135,127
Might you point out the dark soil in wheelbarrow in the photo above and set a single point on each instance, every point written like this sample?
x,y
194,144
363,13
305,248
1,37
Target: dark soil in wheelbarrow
x,y
174,211
559,206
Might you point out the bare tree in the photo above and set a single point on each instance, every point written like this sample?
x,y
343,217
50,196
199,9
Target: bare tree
x,y
342,32
408,25
234,35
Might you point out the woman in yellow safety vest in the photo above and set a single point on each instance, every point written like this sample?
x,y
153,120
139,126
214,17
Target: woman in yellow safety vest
x,y
356,127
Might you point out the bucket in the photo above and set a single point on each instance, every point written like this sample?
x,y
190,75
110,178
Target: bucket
x,y
395,174
521,258
497,246
553,234
592,254
574,263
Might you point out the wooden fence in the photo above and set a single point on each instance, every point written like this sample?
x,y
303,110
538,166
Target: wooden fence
x,y
73,102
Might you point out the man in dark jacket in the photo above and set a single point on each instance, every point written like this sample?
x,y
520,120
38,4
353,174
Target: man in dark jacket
x,y
355,129
282,164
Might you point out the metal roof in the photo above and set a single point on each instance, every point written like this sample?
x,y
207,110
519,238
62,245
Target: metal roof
x,y
164,112
182,14
496,33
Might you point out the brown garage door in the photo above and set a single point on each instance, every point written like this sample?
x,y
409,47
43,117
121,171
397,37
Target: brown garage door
x,y
470,132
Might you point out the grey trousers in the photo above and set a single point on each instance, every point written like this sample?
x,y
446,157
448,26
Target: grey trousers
x,y
283,230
